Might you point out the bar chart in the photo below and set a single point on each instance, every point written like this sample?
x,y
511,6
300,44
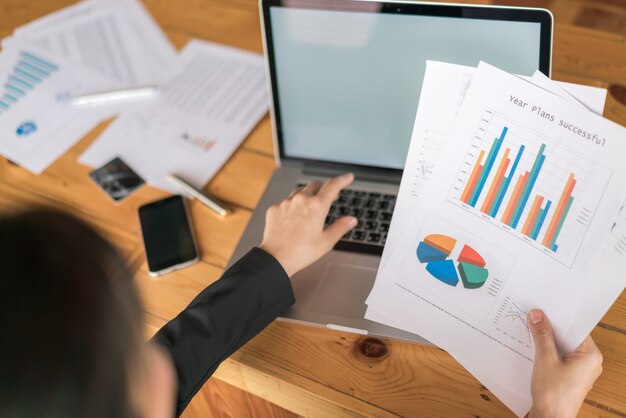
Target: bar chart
x,y
29,71
529,185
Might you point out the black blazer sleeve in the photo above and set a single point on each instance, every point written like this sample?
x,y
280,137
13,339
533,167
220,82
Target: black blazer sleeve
x,y
228,313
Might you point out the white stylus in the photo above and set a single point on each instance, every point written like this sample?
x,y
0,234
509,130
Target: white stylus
x,y
212,203
114,96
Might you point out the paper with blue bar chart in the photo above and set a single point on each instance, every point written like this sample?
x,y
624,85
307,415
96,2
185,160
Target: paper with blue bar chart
x,y
36,121
517,207
541,192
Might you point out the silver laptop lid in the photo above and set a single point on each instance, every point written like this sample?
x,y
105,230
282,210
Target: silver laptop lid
x,y
346,75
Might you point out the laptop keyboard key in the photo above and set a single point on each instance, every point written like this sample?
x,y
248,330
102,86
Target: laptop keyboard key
x,y
371,226
358,235
373,237
385,216
372,210
356,212
371,214
369,203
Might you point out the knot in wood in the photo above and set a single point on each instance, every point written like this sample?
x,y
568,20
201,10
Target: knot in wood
x,y
372,347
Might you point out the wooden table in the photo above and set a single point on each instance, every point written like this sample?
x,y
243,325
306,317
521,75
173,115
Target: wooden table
x,y
309,371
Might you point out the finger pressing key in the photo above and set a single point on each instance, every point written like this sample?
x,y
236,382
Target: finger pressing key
x,y
331,188
312,188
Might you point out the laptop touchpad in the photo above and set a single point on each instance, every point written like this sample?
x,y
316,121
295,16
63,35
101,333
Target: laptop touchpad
x,y
343,289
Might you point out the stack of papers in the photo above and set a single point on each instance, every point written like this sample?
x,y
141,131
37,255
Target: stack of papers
x,y
210,96
510,200
92,46
195,124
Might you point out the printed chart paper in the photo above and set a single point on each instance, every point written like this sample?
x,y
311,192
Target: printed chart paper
x,y
37,123
526,176
198,121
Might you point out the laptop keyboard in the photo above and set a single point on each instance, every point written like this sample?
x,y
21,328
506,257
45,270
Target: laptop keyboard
x,y
373,211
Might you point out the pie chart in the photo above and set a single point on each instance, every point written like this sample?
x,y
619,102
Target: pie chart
x,y
469,267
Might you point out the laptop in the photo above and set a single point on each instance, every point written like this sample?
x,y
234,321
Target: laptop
x,y
345,78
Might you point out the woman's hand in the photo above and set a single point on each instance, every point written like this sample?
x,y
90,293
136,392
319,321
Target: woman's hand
x,y
560,384
294,229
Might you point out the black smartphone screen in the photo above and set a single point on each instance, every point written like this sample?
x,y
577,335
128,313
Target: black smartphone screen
x,y
166,233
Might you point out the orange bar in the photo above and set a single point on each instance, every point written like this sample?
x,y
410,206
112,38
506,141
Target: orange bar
x,y
567,192
532,215
514,198
497,180
473,178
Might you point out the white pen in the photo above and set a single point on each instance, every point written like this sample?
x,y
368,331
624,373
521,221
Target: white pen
x,y
115,95
212,203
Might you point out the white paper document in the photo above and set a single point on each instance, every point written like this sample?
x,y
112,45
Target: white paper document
x,y
198,121
445,86
36,121
91,46
522,196
115,38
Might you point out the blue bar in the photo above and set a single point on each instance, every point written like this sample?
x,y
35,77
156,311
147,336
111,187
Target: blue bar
x,y
6,106
534,234
555,247
32,68
21,82
11,98
487,169
43,63
28,76
14,89
496,207
528,189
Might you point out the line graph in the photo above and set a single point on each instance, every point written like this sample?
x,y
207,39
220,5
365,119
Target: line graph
x,y
511,319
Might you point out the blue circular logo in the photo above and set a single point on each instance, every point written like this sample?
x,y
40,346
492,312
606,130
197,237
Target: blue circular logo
x,y
26,128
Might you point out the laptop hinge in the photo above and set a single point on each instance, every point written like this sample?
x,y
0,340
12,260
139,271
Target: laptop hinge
x,y
360,174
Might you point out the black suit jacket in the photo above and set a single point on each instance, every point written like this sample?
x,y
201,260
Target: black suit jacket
x,y
226,315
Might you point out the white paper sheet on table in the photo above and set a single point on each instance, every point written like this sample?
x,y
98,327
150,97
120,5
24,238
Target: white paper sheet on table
x,y
37,123
529,299
198,121
115,38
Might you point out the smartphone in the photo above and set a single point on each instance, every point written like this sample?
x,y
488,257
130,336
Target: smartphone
x,y
167,235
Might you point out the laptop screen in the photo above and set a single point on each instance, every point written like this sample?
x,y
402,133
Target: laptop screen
x,y
348,82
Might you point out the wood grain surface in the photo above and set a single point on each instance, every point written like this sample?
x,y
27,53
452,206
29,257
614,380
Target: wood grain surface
x,y
304,370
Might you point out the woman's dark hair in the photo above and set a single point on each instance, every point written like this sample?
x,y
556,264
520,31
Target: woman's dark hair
x,y
70,320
